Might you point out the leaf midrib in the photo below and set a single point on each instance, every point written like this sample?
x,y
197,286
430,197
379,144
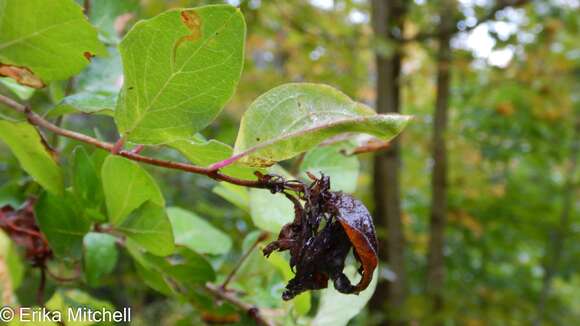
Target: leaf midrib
x,y
36,33
143,113
303,132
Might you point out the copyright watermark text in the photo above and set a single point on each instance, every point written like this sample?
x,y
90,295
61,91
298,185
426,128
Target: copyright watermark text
x,y
77,314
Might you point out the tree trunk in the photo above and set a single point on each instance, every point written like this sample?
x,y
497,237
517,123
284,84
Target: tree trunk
x,y
558,236
438,216
389,296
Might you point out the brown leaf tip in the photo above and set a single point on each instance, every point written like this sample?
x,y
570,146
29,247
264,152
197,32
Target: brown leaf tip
x,y
22,75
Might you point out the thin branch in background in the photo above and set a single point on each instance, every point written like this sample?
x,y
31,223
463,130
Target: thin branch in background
x,y
253,311
41,286
263,236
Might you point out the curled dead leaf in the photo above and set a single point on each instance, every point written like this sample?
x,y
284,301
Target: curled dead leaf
x,y
322,235
20,225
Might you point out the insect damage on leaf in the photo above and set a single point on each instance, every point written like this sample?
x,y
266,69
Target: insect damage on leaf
x,y
22,75
321,236
192,21
20,225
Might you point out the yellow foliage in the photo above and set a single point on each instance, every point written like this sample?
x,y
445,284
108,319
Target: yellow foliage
x,y
463,218
505,109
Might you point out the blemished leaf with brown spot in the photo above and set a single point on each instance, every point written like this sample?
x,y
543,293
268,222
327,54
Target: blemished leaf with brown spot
x,y
294,118
181,67
45,40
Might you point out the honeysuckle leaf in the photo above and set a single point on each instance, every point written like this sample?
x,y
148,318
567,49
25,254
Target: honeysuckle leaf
x,y
86,185
336,309
34,157
14,266
58,221
196,234
97,88
45,40
127,186
100,256
149,227
238,196
205,153
181,67
294,118
171,275
342,170
270,212
23,92
85,102
66,300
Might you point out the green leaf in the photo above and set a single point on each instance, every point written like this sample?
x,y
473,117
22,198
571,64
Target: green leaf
x,y
100,256
154,279
85,102
174,274
149,226
196,234
48,37
73,299
181,67
236,195
26,144
342,170
86,184
336,309
294,118
97,88
270,211
205,153
23,92
9,255
126,187
188,268
64,229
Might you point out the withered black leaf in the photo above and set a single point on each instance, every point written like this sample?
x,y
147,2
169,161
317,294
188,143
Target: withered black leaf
x,y
321,236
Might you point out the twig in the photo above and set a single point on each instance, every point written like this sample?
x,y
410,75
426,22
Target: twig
x,y
254,312
39,121
261,238
41,286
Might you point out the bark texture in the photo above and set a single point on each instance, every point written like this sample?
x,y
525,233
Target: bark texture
x,y
389,297
438,214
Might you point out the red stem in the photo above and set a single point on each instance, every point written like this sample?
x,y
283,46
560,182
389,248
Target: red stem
x,y
211,172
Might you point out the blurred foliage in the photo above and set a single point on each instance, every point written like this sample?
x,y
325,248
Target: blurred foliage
x,y
511,133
